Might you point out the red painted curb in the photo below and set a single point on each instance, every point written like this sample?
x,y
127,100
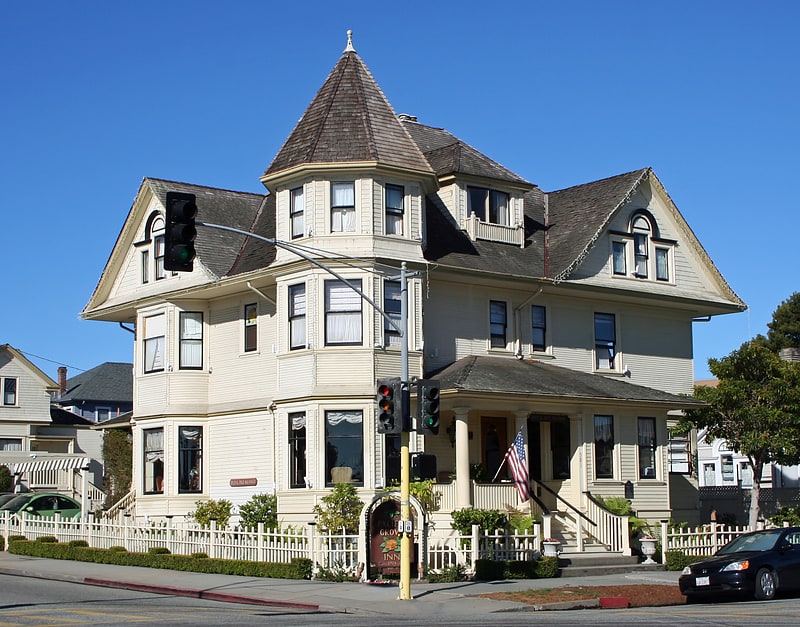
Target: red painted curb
x,y
614,603
198,594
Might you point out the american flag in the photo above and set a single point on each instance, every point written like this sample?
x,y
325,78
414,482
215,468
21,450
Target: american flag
x,y
515,456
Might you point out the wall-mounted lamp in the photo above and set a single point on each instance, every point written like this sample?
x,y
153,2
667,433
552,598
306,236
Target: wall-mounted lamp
x,y
451,432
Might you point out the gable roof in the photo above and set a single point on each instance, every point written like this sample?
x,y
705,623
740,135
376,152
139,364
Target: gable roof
x,y
12,353
64,418
513,377
108,382
349,120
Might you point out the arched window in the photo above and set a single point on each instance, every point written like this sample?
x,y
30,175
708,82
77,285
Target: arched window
x,y
641,231
152,249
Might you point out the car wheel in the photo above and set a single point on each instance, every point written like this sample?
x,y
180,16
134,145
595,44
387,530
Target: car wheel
x,y
766,584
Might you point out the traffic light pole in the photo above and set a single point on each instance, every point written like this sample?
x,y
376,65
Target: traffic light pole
x,y
406,539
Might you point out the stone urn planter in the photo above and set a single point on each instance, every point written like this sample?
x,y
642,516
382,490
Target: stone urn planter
x,y
648,549
552,547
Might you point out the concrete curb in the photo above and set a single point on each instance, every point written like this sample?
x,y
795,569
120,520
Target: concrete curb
x,y
199,594
584,604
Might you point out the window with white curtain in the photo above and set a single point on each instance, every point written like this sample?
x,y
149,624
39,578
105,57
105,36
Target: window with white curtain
x,y
604,447
9,391
153,446
662,264
297,449
297,317
297,212
394,209
343,206
620,257
153,333
10,444
647,448
190,457
392,306
191,340
489,205
344,451
342,313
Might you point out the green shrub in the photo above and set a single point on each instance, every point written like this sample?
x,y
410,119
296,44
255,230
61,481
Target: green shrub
x,y
448,574
6,479
789,515
261,508
544,568
159,550
206,511
200,556
74,543
2,543
46,539
486,519
117,549
340,508
678,560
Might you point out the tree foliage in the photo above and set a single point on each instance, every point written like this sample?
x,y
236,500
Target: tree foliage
x,y
6,479
784,329
340,509
755,408
261,508
206,511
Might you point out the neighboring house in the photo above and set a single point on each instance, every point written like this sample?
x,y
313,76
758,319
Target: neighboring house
x,y
567,314
101,393
44,446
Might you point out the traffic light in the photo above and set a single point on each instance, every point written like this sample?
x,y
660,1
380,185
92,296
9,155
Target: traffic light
x,y
180,232
390,405
428,406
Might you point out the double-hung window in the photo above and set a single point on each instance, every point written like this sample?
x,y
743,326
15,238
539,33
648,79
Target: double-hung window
x,y
10,391
538,328
297,212
153,333
489,205
343,206
662,264
394,209
391,305
605,341
10,445
604,447
158,254
342,313
153,446
297,449
344,447
297,316
641,245
191,340
250,327
647,448
620,257
190,458
498,323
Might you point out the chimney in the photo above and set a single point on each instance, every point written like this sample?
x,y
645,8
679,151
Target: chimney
x,y
62,380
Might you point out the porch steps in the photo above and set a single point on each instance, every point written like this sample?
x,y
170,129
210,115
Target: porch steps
x,y
598,564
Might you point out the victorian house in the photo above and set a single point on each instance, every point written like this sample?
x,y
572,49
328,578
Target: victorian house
x,y
567,315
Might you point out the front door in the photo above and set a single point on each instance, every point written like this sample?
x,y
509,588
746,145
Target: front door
x,y
494,443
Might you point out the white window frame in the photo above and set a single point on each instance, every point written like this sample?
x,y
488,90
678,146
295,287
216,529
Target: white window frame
x,y
343,208
297,315
490,211
603,344
250,327
154,343
394,215
494,323
541,328
343,314
190,340
8,393
297,213
391,305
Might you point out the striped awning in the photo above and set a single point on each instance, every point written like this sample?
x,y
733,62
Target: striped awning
x,y
51,463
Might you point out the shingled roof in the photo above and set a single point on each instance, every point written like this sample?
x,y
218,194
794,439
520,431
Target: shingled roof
x,y
513,377
219,250
349,120
108,382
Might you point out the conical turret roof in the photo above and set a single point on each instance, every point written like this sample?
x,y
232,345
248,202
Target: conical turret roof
x,y
349,121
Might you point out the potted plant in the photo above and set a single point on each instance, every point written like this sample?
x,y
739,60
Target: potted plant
x,y
552,547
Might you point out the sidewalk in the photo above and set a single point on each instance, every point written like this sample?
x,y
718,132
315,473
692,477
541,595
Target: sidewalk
x,y
452,599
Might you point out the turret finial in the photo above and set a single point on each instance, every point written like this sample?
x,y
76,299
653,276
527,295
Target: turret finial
x,y
349,47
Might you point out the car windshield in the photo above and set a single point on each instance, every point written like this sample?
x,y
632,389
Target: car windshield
x,y
15,504
763,541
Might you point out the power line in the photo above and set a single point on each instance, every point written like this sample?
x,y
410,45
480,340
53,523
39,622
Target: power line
x,y
60,363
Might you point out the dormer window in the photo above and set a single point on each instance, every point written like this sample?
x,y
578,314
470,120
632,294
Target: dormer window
x,y
343,207
489,205
151,249
640,252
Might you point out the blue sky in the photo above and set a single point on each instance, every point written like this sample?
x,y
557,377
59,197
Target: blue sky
x,y
98,95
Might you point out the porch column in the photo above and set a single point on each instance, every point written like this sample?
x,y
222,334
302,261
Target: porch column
x,y
463,480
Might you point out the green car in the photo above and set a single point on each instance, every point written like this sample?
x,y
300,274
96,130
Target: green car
x,y
43,504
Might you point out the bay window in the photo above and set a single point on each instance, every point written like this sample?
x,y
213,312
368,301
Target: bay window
x,y
343,207
342,313
153,333
297,316
297,212
297,450
394,210
153,447
191,340
344,447
190,457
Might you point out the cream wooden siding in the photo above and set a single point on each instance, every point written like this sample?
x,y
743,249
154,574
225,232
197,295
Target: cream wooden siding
x,y
33,399
342,371
237,377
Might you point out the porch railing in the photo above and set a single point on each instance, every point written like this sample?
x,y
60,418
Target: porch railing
x,y
611,530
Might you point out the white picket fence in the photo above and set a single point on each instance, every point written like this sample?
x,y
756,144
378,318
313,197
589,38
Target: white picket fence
x,y
700,541
458,550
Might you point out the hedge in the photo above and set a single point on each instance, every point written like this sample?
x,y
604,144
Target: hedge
x,y
299,568
678,560
544,568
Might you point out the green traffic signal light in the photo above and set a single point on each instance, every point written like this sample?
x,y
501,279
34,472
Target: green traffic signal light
x,y
180,232
428,406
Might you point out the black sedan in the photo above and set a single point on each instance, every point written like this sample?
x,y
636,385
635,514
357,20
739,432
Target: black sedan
x,y
758,563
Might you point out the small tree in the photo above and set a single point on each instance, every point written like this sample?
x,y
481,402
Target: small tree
x,y
6,479
212,510
261,508
755,408
118,462
784,329
340,509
